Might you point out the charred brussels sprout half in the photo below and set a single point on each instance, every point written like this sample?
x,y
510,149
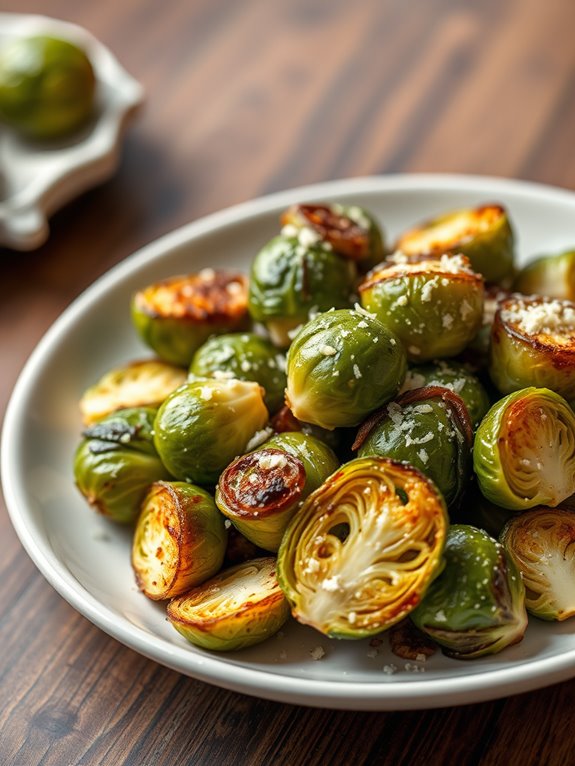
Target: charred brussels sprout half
x,y
483,234
288,280
174,317
552,276
240,607
434,307
362,550
533,344
524,450
341,366
179,541
204,424
541,543
477,605
244,356
116,462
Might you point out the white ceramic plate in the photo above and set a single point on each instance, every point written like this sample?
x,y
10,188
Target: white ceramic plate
x,y
38,178
87,559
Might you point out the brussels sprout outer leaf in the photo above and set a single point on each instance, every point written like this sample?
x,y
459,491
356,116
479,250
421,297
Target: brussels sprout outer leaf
x,y
549,275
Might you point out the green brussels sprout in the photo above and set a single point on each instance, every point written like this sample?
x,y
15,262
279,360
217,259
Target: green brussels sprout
x,y
477,604
176,316
541,543
244,356
483,234
240,607
341,366
289,280
434,307
139,384
430,429
533,344
524,450
204,424
551,275
116,462
179,541
363,548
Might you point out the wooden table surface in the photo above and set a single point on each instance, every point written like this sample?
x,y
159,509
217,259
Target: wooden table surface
x,y
245,98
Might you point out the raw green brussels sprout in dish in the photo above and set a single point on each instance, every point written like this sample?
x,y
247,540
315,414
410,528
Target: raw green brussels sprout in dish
x,y
551,275
116,462
477,604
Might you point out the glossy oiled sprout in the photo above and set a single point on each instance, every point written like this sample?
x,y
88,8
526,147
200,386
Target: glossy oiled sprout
x,y
552,276
524,450
179,541
341,366
363,548
240,607
174,317
139,384
434,307
116,462
483,234
477,605
204,424
533,344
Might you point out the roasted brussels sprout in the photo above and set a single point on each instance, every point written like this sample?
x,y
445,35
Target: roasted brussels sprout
x,y
533,344
341,366
240,607
541,543
524,450
289,280
483,234
434,307
430,429
551,275
204,424
179,541
244,356
176,316
363,548
116,462
477,605
319,460
139,384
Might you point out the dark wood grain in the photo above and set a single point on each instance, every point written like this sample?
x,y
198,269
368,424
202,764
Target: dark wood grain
x,y
245,98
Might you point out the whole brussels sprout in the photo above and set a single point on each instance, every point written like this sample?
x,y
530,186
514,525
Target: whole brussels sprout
x,y
363,548
179,541
483,234
244,356
204,424
550,275
524,450
435,307
116,462
289,280
174,317
477,605
341,366
240,607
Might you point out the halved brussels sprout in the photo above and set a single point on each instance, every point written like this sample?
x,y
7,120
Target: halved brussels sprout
x,y
541,542
477,605
289,280
434,307
240,607
174,317
179,541
341,366
244,356
139,384
363,548
204,424
551,275
483,234
116,462
430,429
533,344
524,450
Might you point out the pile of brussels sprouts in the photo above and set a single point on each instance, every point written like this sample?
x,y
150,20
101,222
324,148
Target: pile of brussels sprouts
x,y
355,434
